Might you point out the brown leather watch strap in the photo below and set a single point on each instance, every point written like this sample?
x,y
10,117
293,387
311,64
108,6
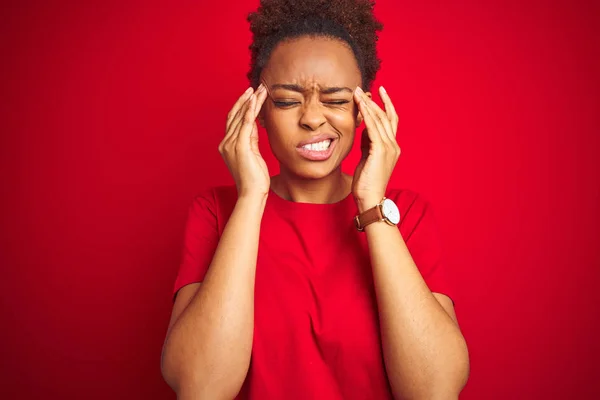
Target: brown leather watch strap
x,y
368,217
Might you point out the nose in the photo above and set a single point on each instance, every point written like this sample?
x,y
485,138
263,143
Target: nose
x,y
312,116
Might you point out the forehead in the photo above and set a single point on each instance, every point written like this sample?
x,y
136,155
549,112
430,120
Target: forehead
x,y
313,60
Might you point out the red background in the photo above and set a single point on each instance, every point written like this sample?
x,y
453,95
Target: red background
x,y
111,117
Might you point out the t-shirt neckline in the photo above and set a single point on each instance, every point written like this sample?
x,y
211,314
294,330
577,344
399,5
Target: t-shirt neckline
x,y
281,202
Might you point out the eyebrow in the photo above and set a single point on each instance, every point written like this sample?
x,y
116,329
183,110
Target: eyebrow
x,y
301,89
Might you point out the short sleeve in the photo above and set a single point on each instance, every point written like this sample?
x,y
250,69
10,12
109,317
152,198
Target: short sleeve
x,y
200,240
423,242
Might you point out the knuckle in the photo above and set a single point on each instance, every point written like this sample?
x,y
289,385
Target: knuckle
x,y
227,147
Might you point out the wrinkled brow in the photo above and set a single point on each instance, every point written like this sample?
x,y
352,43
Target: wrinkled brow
x,y
301,89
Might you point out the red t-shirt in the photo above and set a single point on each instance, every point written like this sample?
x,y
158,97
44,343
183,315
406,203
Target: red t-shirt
x,y
316,332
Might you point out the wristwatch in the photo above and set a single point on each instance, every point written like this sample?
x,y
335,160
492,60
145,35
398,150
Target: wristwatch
x,y
385,211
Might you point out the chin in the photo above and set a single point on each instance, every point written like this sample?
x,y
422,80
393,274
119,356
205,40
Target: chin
x,y
311,169
315,172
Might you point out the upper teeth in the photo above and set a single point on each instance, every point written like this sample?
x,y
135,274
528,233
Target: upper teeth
x,y
319,146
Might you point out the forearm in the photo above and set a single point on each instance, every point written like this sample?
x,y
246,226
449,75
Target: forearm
x,y
425,353
209,346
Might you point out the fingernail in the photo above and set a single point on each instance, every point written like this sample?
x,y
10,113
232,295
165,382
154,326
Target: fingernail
x,y
359,90
261,87
382,90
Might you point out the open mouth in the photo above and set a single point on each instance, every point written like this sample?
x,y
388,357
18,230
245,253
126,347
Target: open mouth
x,y
319,146
319,151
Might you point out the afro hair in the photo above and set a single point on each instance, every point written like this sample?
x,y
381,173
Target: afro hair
x,y
351,21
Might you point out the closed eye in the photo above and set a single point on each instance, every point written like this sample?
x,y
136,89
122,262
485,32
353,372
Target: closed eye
x,y
284,104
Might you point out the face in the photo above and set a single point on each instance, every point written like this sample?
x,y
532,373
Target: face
x,y
310,115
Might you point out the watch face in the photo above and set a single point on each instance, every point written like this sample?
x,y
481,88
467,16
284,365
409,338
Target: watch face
x,y
390,211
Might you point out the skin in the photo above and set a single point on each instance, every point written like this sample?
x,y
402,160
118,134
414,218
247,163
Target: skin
x,y
311,110
209,341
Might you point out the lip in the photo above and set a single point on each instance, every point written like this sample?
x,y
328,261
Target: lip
x,y
316,155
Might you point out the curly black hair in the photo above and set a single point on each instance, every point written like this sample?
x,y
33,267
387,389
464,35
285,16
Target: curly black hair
x,y
351,21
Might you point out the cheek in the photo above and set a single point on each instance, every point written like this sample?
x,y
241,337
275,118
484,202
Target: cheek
x,y
277,125
345,121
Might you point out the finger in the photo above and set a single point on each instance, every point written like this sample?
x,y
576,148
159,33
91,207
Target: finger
x,y
390,110
239,119
237,106
374,136
260,99
234,130
254,140
383,119
234,124
376,129
260,95
248,123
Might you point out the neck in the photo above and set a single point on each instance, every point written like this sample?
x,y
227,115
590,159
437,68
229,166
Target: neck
x,y
330,189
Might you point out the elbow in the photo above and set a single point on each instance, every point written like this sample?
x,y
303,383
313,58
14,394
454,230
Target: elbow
x,y
174,371
169,372
446,383
191,380
448,387
451,379
461,368
183,384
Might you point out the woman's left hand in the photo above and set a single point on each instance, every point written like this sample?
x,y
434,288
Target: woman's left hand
x,y
380,151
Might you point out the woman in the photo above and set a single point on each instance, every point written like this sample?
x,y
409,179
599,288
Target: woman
x,y
299,285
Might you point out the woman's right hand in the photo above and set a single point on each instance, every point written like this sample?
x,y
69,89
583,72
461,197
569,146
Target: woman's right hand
x,y
239,148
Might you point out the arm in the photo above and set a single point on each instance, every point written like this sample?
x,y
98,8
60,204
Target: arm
x,y
207,350
425,353
208,346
